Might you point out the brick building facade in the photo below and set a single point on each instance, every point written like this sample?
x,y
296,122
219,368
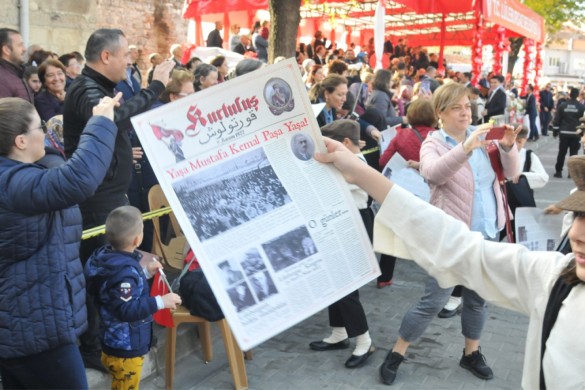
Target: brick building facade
x,y
63,26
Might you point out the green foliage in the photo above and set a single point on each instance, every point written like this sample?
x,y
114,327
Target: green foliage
x,y
557,12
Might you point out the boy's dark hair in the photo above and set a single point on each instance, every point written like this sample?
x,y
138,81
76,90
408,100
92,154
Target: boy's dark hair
x,y
574,94
523,133
498,77
122,226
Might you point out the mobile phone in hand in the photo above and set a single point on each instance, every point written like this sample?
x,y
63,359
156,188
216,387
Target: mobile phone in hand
x,y
496,133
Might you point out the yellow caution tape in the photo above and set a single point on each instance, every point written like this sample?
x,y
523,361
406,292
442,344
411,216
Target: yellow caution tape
x,y
372,150
99,230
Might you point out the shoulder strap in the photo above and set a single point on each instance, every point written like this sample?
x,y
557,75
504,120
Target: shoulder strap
x,y
420,138
559,292
528,162
356,99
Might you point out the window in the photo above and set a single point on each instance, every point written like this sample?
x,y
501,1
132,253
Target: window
x,y
554,61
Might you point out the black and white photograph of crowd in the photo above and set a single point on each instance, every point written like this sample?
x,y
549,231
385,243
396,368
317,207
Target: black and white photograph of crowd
x,y
231,193
290,248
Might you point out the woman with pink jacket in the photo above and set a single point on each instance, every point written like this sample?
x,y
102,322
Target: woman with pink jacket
x,y
455,162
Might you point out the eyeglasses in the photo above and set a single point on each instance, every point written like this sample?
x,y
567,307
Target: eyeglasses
x,y
43,127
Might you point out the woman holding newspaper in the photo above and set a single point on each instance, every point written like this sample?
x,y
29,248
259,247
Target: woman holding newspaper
x,y
547,286
456,165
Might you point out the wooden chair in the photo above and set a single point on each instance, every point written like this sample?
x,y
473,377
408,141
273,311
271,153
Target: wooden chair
x,y
233,352
173,254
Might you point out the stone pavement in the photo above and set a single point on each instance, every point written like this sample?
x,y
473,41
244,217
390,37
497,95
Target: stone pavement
x,y
286,362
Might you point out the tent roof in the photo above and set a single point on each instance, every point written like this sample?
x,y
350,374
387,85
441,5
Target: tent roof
x,y
418,20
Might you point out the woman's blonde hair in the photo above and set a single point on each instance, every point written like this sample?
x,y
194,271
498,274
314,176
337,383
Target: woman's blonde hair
x,y
447,95
178,78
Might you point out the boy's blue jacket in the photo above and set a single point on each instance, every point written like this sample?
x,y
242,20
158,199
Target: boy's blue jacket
x,y
121,291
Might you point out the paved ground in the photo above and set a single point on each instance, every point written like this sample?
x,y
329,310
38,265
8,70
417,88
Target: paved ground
x,y
286,362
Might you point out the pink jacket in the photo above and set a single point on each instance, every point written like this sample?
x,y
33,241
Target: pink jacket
x,y
451,179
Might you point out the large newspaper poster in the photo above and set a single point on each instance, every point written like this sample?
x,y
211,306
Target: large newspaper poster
x,y
277,233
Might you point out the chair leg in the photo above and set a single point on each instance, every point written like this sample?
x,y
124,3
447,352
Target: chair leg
x,y
205,336
235,356
170,357
248,355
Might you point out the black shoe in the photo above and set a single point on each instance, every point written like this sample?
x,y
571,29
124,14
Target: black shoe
x,y
325,346
449,313
389,368
558,174
544,135
476,364
569,176
356,361
93,360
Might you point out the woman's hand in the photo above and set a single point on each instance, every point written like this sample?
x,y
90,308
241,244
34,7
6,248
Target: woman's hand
x,y
137,154
354,170
106,106
414,164
475,139
376,135
509,138
552,209
345,161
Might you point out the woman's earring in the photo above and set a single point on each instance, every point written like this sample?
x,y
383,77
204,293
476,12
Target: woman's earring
x,y
440,122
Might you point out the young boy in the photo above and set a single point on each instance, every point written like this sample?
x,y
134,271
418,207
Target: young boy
x,y
118,281
530,165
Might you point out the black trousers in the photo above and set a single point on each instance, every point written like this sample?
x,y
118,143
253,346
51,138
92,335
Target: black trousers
x,y
545,118
59,368
569,143
387,264
348,312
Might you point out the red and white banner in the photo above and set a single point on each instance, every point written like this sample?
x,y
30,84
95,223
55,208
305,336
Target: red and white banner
x,y
515,17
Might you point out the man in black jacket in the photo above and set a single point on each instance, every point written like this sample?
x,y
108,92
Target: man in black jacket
x,y
108,58
214,38
546,106
496,102
565,126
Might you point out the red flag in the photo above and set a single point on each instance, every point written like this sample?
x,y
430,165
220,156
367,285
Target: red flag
x,y
162,317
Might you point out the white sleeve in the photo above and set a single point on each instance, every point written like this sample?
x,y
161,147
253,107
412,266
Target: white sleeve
x,y
537,177
508,275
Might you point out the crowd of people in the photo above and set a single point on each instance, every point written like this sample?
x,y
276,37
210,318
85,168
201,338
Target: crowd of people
x,y
88,167
230,202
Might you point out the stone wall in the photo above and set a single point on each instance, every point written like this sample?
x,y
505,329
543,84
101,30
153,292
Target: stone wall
x,y
63,26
